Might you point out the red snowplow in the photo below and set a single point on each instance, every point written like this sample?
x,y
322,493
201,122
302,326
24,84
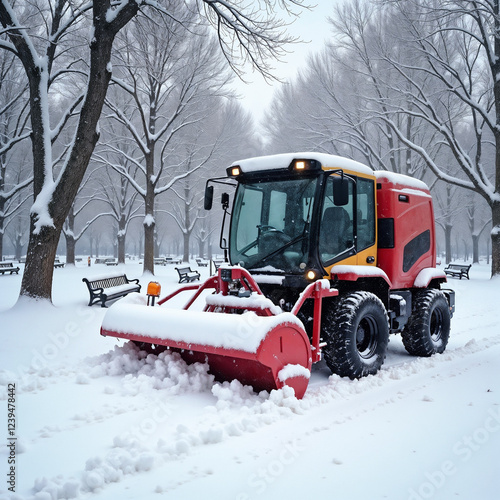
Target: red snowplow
x,y
240,333
325,259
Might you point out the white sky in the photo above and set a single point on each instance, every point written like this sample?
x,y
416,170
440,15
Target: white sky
x,y
312,27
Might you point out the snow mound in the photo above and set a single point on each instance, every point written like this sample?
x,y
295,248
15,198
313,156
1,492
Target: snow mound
x,y
143,372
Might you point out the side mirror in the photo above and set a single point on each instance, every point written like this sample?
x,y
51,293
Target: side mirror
x,y
225,201
209,197
340,191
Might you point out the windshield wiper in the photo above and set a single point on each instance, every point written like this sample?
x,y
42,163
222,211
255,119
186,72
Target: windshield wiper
x,y
298,238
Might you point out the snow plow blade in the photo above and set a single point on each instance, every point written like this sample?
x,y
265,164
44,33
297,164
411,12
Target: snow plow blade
x,y
264,352
260,345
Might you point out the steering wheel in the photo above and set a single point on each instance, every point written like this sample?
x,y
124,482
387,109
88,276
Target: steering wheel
x,y
269,236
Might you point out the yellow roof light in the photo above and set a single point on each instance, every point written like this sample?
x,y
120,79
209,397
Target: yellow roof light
x,y
235,171
304,165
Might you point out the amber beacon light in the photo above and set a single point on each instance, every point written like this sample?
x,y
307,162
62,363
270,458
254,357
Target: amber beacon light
x,y
154,290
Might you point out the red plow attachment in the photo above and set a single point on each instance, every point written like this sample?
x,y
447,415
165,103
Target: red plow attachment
x,y
240,333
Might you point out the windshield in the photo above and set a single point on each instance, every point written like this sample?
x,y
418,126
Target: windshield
x,y
270,224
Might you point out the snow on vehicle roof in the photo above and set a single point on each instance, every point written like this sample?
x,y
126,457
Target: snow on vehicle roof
x,y
400,180
282,161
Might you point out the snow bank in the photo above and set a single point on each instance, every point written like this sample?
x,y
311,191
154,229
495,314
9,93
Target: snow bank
x,y
143,372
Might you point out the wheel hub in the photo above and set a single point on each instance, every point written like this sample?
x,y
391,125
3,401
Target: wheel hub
x,y
436,325
366,339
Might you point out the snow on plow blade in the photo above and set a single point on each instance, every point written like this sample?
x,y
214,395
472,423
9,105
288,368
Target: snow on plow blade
x,y
264,350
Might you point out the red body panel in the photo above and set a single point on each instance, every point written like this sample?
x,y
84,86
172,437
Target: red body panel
x,y
409,204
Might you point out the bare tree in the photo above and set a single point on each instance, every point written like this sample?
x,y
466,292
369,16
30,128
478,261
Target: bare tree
x,y
456,92
17,232
47,38
477,223
13,131
171,76
83,198
115,192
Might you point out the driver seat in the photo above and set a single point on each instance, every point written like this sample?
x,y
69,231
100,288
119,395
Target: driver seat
x,y
334,231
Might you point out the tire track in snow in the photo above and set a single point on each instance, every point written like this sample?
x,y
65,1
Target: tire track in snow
x,y
239,411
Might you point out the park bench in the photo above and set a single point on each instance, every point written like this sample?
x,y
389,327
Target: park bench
x,y
186,274
111,262
159,261
172,260
8,267
58,263
202,262
458,270
110,287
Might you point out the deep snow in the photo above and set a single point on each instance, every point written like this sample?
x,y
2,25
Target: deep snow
x,y
97,419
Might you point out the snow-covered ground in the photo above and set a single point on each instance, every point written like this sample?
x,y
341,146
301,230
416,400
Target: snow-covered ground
x,y
97,419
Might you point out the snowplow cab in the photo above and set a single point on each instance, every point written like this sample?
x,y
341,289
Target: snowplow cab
x,y
304,216
295,216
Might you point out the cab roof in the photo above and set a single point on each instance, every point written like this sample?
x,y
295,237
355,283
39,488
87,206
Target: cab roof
x,y
283,161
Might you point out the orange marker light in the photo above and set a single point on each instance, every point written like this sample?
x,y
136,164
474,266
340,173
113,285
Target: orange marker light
x,y
154,290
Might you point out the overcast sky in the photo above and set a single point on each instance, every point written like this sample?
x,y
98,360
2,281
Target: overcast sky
x,y
312,27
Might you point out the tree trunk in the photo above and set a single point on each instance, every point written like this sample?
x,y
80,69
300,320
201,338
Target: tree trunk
x,y
475,249
488,242
121,247
185,256
447,239
149,246
40,256
2,203
149,219
70,248
1,238
121,236
19,246
70,236
201,248
495,239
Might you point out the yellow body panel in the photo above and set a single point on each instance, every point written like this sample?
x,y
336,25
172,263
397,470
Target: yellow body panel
x,y
360,258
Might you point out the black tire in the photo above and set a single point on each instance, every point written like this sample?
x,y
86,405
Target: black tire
x,y
356,330
428,328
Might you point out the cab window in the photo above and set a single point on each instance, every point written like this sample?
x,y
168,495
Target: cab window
x,y
365,211
337,224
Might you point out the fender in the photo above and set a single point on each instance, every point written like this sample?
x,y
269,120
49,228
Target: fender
x,y
353,273
428,274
